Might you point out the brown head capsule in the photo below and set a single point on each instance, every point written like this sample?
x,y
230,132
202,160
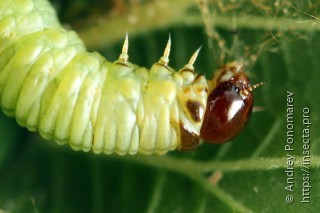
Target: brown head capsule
x,y
229,105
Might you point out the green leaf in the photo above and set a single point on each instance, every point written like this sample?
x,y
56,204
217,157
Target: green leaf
x,y
246,175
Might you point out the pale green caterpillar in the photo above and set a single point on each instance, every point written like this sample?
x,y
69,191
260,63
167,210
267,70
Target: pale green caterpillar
x,y
50,84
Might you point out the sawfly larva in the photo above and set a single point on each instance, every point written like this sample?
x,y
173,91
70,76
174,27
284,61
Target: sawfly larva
x,y
51,84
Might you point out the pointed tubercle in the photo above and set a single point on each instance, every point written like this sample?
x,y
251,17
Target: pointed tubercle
x,y
193,58
123,58
164,60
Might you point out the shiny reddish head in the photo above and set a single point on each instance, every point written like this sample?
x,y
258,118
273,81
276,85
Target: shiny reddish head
x,y
229,106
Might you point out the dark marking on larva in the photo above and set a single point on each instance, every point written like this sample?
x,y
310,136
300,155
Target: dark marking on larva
x,y
196,110
187,70
202,89
122,64
162,65
189,140
186,90
199,78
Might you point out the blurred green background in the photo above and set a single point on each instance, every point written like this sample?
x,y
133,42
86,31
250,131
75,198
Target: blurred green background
x,y
279,41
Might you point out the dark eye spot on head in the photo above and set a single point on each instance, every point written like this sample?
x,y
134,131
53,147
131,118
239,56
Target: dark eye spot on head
x,y
196,110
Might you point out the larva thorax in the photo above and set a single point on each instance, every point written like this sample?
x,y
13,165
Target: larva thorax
x,y
169,111
52,85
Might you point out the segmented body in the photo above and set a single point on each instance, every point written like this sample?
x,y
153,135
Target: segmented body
x,y
51,84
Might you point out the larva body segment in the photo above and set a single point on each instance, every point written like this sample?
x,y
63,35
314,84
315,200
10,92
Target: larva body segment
x,y
52,85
